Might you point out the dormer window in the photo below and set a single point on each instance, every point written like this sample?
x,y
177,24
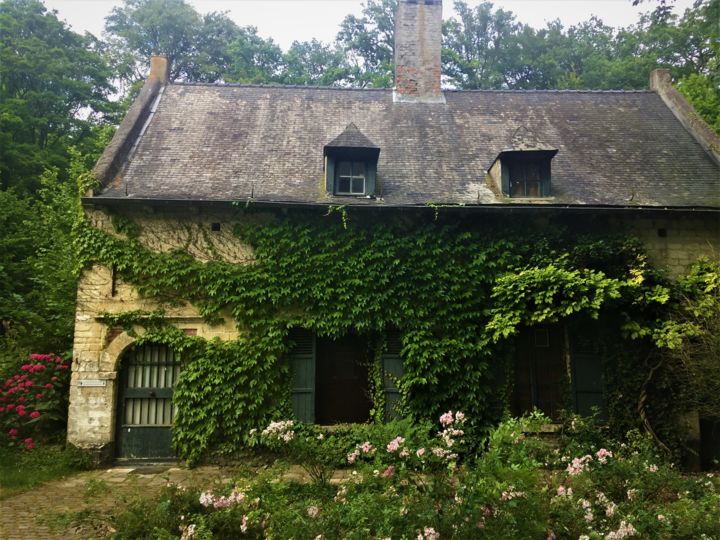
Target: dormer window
x,y
523,174
351,164
525,179
350,177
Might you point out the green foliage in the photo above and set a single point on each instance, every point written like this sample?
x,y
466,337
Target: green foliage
x,y
20,471
47,75
455,294
34,401
507,493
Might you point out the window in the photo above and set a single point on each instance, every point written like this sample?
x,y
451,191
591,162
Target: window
x,y
522,173
351,164
525,179
350,178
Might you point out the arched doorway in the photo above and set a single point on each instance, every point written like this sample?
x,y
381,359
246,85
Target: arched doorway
x,y
145,408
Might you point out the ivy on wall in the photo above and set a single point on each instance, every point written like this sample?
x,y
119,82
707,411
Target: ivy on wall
x,y
456,292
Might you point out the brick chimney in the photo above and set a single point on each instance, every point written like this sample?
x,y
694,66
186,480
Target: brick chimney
x,y
159,69
418,41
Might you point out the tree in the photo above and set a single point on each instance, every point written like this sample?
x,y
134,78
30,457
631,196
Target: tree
x,y
147,27
314,63
52,86
254,59
480,46
368,43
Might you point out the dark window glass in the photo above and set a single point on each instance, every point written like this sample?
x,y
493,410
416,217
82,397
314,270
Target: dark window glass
x,y
525,179
350,178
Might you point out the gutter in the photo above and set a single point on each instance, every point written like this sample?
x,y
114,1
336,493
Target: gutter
x,y
126,202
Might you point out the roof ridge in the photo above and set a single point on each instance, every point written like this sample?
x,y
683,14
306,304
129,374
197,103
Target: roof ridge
x,y
453,90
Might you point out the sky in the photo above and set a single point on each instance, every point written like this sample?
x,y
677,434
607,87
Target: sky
x,y
286,21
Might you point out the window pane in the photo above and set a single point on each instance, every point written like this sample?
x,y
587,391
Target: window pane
x,y
344,168
532,172
344,184
358,185
358,168
533,189
517,188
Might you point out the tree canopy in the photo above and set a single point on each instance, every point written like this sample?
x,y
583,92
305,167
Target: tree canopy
x,y
62,93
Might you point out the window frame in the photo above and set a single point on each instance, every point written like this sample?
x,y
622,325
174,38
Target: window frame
x,y
351,178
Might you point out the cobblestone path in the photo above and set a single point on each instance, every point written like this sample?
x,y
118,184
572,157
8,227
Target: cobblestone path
x,y
38,514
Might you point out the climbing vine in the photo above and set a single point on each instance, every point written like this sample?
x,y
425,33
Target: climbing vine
x,y
456,293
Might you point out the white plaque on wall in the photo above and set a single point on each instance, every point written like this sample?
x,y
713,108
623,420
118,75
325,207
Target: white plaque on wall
x,y
92,382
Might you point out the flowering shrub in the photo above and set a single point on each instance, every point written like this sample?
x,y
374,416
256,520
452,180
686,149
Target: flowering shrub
x,y
33,401
609,494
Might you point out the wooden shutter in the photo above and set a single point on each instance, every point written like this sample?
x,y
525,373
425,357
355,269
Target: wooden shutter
x,y
302,369
545,178
505,178
330,174
392,371
371,173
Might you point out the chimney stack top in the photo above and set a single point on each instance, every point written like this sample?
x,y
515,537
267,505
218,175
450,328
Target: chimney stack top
x,y
418,42
159,69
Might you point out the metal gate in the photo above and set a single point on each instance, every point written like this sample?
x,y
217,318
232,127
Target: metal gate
x,y
145,406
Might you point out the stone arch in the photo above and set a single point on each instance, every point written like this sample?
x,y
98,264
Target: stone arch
x,y
112,354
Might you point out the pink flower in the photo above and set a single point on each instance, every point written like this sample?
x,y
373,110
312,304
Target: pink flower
x,y
48,385
21,411
313,511
653,468
446,419
2,409
395,444
366,447
389,472
429,534
38,396
35,414
420,452
13,432
459,417
603,454
244,524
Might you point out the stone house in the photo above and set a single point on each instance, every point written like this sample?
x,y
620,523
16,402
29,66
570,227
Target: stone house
x,y
633,161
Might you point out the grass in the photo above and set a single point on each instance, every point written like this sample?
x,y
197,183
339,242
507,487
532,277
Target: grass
x,y
21,470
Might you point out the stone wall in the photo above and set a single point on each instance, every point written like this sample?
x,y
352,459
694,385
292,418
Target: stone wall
x,y
677,240
97,348
673,241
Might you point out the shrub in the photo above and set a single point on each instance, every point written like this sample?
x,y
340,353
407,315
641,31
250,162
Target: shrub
x,y
33,401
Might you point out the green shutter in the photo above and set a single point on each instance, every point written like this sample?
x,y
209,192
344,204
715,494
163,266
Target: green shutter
x,y
588,384
392,371
505,178
330,174
302,369
545,178
371,174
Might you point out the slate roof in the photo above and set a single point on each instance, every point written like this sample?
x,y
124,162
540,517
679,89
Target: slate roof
x,y
352,137
233,142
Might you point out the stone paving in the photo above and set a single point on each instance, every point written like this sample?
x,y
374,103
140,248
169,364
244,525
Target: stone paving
x,y
26,516
38,514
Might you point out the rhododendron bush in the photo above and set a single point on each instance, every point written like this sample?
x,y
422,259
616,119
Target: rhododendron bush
x,y
33,401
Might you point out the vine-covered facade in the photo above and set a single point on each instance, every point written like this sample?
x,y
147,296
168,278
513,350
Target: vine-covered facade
x,y
349,255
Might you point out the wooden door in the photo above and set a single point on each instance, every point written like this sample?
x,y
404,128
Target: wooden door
x,y
540,372
145,407
342,380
